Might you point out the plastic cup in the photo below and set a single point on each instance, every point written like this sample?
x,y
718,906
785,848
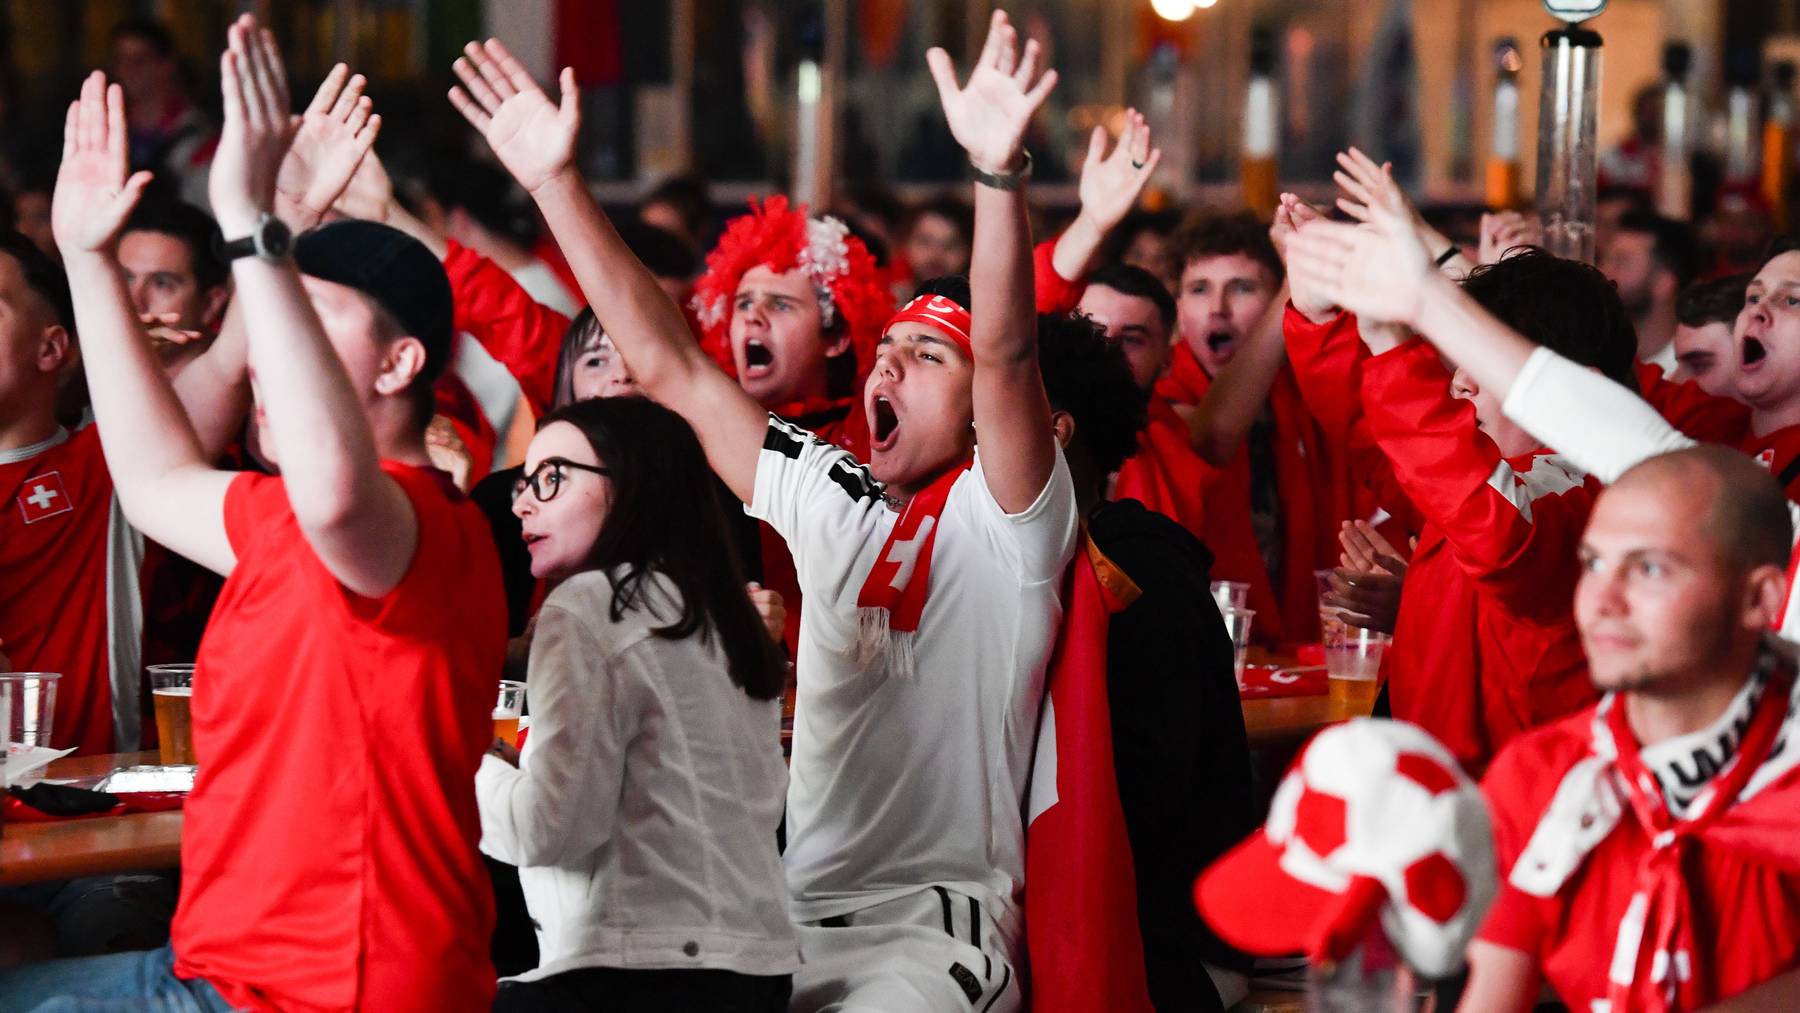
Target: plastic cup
x,y
1237,624
172,694
1352,662
1231,594
33,709
1352,655
507,711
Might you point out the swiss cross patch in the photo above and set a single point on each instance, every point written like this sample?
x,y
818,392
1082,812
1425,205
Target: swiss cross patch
x,y
43,496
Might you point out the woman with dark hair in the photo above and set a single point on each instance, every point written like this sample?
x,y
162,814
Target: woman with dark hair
x,y
643,809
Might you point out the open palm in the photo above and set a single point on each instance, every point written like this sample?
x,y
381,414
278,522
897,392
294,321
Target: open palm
x,y
335,134
533,137
95,188
1111,183
989,115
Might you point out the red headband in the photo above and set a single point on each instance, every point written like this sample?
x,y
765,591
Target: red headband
x,y
941,313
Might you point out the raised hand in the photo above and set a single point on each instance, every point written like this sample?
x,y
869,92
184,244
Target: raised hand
x,y
336,132
770,609
988,116
258,128
1291,215
1505,231
1111,183
533,138
1377,271
95,188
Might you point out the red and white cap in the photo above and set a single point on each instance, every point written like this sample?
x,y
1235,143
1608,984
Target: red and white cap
x,y
1375,819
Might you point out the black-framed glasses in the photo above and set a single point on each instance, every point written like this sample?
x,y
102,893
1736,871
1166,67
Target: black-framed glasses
x,y
547,480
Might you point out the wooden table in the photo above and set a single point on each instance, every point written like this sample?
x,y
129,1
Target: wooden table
x,y
1291,720
1284,721
34,852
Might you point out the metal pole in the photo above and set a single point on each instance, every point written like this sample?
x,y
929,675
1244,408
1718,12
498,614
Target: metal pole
x,y
1566,122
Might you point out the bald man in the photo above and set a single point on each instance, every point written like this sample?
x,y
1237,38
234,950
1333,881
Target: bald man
x,y
1651,844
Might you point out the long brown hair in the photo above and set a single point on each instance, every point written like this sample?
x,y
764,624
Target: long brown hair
x,y
666,517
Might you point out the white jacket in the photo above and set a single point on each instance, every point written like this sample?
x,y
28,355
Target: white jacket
x,y
643,813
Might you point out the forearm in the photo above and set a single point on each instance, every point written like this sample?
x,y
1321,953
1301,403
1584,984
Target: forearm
x,y
639,316
316,423
1077,247
1012,412
1469,336
1599,425
522,334
650,333
1237,395
143,429
215,390
407,222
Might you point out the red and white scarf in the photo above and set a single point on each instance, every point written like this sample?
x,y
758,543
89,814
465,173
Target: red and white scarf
x,y
893,595
1655,959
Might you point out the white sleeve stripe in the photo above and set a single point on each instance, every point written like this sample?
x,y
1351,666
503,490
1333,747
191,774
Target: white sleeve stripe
x,y
124,627
1547,477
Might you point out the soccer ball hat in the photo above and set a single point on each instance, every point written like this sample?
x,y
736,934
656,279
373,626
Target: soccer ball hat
x,y
1375,819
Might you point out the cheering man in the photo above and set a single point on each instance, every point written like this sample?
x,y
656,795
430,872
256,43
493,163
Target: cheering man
x,y
930,576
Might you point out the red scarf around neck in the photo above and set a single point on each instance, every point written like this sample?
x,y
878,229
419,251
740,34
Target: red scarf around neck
x,y
1656,961
901,576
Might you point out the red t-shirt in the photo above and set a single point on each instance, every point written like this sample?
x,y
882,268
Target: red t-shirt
x,y
329,855
1748,912
68,563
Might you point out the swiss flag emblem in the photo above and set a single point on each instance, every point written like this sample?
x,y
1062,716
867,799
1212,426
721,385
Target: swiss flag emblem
x,y
43,496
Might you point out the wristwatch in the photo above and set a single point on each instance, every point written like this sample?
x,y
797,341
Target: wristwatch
x,y
271,239
1003,180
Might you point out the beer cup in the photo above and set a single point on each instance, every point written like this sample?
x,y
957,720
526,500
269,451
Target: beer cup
x,y
507,711
172,693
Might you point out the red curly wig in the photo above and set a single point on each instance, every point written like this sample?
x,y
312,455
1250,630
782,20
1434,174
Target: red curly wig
x,y
782,238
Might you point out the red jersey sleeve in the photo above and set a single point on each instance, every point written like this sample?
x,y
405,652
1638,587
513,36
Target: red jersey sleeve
x,y
1327,360
1699,415
516,330
1055,294
1514,921
1514,532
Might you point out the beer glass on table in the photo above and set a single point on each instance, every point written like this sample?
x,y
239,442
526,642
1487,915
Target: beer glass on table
x,y
1352,655
507,711
172,694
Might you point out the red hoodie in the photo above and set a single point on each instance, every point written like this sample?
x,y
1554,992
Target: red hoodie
x,y
1316,498
1485,647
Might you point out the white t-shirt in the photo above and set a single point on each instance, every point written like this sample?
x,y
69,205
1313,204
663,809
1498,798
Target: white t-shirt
x,y
899,784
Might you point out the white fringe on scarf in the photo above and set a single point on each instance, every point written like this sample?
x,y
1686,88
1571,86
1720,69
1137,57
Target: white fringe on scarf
x,y
876,641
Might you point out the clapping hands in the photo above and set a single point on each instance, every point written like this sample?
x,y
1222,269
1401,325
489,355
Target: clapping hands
x,y
259,128
989,115
333,141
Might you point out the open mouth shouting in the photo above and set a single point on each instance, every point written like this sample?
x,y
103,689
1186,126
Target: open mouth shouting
x,y
1220,341
759,359
1754,351
884,422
